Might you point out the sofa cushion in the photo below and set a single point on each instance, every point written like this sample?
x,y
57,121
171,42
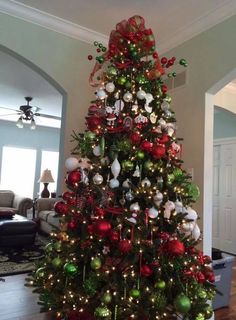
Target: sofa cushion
x,y
6,198
50,217
6,213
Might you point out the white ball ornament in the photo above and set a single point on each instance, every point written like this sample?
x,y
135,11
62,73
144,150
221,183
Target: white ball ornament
x,y
196,232
178,206
191,214
71,163
153,213
187,227
110,87
141,94
134,207
97,179
101,94
114,183
165,106
115,168
145,183
97,151
128,97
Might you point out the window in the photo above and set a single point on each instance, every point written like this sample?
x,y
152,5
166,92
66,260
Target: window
x,y
18,170
50,161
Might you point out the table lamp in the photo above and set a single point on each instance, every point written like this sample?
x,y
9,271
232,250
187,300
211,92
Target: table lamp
x,y
46,178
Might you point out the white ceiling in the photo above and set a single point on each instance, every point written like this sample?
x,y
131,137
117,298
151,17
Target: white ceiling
x,y
172,21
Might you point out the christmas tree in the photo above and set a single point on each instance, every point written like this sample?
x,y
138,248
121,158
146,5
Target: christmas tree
x,y
126,248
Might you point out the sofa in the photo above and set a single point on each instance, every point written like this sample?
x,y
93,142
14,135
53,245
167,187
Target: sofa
x,y
9,201
45,214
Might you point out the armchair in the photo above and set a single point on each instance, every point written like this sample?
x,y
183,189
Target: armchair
x,y
11,201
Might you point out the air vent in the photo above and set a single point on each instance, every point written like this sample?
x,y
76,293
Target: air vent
x,y
179,81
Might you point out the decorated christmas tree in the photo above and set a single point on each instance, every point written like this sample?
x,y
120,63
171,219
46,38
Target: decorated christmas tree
x,y
126,248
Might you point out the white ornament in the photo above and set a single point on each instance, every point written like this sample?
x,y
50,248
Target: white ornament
x,y
84,177
178,206
162,123
153,213
135,207
110,87
153,118
129,196
169,206
71,163
115,168
119,105
132,220
97,179
114,183
170,131
187,227
126,184
158,198
135,106
128,97
141,119
137,172
97,151
196,232
145,183
141,94
191,214
165,106
101,94
149,97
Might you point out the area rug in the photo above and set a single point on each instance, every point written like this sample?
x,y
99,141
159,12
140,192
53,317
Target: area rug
x,y
21,260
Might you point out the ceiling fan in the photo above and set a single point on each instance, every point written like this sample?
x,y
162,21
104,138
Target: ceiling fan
x,y
27,113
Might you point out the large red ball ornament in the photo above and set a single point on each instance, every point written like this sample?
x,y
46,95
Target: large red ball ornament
x,y
72,225
146,146
125,246
72,201
67,195
102,228
158,152
61,207
73,178
175,248
93,122
135,138
146,271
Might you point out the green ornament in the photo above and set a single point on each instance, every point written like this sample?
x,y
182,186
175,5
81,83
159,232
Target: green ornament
x,y
96,263
57,246
182,303
100,45
112,71
202,294
183,62
200,316
70,268
141,79
135,293
100,59
140,155
148,165
56,262
89,135
40,273
102,312
170,75
160,285
132,47
208,312
104,49
177,172
49,247
95,43
174,74
127,165
134,54
193,191
170,178
167,98
106,298
124,145
122,80
128,85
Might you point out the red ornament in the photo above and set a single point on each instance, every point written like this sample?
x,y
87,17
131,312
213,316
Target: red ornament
x,y
158,151
146,146
155,55
164,60
100,212
61,207
164,139
210,276
163,236
207,259
135,138
73,178
90,228
72,225
90,57
93,122
67,195
125,246
102,228
164,88
146,271
200,277
175,248
90,200
114,236
71,201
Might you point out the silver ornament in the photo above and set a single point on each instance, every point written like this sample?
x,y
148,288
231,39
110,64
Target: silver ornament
x,y
97,151
115,168
128,97
165,106
110,87
137,172
141,94
97,179
153,213
114,183
129,196
135,207
191,214
196,232
71,163
146,183
101,94
178,206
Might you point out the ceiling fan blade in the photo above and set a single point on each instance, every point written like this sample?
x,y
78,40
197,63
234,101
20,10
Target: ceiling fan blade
x,y
8,114
47,116
10,109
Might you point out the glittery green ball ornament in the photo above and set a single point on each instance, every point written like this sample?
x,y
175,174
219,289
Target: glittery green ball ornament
x,y
160,285
40,273
200,316
135,293
202,294
148,165
177,172
106,298
167,98
58,246
112,71
56,262
90,135
182,303
70,268
96,263
193,191
140,155
141,79
49,247
124,145
127,165
128,85
208,312
122,80
102,312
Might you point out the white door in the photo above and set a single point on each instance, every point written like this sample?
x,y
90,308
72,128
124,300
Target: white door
x,y
224,198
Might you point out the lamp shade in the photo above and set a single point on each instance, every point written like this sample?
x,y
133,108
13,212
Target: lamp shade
x,y
46,176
